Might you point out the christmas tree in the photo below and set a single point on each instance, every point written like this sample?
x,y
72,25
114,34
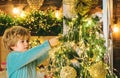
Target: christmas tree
x,y
82,49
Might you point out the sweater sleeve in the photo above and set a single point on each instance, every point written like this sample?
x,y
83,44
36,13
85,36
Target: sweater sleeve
x,y
16,60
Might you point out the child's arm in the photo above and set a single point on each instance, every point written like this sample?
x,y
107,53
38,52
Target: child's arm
x,y
53,42
16,60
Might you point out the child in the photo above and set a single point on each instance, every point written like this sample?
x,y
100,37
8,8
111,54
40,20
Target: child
x,y
21,62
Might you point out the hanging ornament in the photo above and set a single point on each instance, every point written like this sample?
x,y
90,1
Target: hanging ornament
x,y
35,4
98,70
84,6
68,8
68,72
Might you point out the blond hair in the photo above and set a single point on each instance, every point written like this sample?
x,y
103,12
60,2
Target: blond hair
x,y
13,34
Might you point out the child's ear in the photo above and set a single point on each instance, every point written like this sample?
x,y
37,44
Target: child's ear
x,y
12,47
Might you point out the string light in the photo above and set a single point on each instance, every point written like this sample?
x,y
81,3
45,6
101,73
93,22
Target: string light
x,y
22,14
115,28
16,10
58,14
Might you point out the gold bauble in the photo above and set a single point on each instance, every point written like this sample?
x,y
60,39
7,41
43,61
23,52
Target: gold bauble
x,y
68,72
82,9
98,70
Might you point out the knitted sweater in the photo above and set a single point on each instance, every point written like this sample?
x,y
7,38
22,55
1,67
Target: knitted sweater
x,y
23,64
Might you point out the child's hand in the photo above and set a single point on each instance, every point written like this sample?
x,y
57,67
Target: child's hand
x,y
54,41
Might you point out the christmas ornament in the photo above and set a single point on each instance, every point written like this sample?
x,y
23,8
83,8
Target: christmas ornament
x,y
68,72
98,70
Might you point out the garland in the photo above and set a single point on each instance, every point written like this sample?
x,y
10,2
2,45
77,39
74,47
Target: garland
x,y
38,22
6,21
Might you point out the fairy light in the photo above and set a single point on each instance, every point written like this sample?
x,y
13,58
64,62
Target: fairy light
x,y
22,14
115,28
57,14
16,10
89,22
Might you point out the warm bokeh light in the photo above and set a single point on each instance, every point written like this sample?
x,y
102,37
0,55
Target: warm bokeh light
x,y
89,22
116,29
58,14
16,10
22,14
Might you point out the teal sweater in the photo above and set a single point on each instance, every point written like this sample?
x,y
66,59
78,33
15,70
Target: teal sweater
x,y
23,64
